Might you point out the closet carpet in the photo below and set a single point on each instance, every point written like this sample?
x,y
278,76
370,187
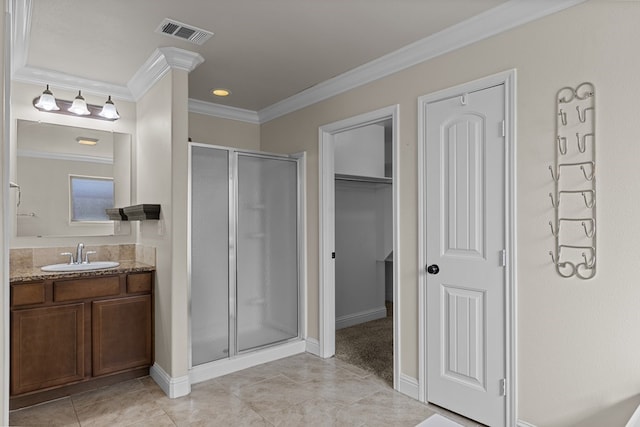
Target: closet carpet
x,y
369,346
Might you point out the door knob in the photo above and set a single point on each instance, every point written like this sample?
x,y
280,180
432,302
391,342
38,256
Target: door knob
x,y
433,269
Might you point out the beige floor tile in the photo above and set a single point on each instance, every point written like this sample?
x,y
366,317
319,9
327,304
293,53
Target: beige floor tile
x,y
315,412
120,409
386,408
154,390
355,370
92,397
212,406
274,395
235,381
159,421
305,367
56,413
302,390
346,390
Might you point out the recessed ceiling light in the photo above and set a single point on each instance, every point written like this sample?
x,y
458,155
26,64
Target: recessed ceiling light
x,y
86,141
221,92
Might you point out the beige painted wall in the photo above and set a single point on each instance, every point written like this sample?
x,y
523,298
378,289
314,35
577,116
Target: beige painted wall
x,y
162,178
225,132
578,346
154,186
179,190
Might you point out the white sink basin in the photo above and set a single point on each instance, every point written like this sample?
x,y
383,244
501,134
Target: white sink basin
x,y
94,265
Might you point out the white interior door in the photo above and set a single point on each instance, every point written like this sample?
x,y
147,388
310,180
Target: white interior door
x,y
465,239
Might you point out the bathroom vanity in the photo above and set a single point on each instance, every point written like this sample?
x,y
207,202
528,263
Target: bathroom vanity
x,y
77,331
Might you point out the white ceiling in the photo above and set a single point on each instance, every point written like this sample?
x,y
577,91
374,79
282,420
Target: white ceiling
x,y
264,51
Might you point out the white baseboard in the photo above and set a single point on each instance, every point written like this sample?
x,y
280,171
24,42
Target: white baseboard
x,y
219,368
409,386
521,423
361,317
172,387
313,346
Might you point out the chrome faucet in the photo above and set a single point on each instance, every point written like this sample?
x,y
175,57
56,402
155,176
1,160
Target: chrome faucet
x,y
79,253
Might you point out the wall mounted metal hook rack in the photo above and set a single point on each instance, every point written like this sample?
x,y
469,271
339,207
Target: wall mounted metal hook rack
x,y
578,259
582,147
563,117
583,116
562,144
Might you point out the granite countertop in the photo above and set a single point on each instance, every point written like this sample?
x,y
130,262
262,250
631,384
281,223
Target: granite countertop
x,y
22,275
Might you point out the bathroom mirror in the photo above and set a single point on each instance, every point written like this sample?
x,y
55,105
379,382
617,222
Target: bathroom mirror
x,y
67,176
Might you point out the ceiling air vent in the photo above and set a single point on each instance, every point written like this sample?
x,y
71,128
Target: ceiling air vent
x,y
183,31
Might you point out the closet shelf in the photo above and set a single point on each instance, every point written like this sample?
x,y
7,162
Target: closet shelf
x,y
358,178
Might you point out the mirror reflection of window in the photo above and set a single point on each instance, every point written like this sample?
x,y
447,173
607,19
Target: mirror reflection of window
x,y
90,197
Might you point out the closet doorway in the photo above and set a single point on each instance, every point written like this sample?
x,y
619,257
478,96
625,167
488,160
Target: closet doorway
x,y
359,242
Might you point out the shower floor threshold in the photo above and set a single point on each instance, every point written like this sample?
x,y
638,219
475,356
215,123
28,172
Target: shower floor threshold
x,y
246,360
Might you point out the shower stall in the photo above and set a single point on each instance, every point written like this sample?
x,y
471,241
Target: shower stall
x,y
245,229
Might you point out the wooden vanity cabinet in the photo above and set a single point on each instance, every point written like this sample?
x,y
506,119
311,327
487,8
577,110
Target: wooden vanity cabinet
x,y
121,334
70,335
47,347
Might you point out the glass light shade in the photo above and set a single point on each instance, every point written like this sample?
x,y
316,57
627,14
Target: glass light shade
x,y
79,106
47,101
109,110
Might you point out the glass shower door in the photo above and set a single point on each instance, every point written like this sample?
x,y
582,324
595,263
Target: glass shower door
x,y
267,250
209,254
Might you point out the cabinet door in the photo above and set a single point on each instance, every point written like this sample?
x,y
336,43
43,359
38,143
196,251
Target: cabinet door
x,y
121,334
47,347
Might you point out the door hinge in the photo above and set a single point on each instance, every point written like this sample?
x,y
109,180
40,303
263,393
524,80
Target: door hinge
x,y
503,258
333,255
503,128
503,387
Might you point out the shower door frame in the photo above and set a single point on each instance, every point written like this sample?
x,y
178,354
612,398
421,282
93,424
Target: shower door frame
x,y
237,360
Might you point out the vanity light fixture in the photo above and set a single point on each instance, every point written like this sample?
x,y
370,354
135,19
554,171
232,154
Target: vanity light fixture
x,y
47,101
109,110
87,141
79,107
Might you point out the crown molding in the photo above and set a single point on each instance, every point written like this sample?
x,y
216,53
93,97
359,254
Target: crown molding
x,y
159,63
59,80
508,15
223,111
21,30
181,59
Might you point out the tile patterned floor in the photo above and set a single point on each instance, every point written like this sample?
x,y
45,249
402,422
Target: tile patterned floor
x,y
301,390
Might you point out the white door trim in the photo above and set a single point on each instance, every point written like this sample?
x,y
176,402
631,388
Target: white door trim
x,y
326,182
508,78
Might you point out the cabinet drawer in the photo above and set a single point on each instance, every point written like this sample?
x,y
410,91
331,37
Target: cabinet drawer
x,y
139,282
70,290
30,293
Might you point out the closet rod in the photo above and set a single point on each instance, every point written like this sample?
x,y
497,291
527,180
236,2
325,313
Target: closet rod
x,y
356,178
